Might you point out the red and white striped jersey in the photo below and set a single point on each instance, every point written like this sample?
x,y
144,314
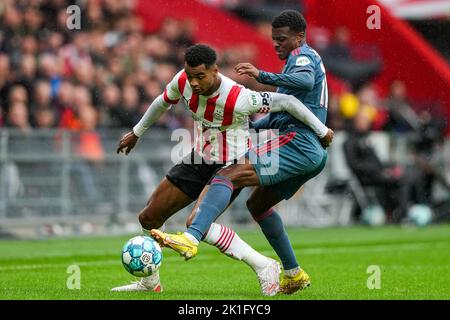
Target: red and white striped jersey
x,y
222,127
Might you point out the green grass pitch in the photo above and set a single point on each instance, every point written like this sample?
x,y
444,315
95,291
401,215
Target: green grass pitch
x,y
414,263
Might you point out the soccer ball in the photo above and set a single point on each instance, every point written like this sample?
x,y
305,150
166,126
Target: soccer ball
x,y
141,256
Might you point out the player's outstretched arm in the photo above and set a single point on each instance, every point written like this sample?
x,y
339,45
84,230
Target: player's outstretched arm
x,y
153,113
283,102
301,80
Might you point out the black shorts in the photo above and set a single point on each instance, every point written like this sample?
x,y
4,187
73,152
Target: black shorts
x,y
192,174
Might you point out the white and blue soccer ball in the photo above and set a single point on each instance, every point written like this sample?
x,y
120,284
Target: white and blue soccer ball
x,y
141,256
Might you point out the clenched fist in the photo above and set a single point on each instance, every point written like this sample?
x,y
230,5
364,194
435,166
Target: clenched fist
x,y
327,139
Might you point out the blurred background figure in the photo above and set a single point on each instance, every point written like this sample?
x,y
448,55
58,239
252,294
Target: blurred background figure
x,y
393,185
402,118
341,61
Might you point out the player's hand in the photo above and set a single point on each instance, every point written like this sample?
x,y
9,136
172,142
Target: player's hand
x,y
248,69
127,142
327,139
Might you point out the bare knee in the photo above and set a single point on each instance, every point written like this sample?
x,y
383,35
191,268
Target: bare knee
x,y
254,208
149,218
259,208
240,176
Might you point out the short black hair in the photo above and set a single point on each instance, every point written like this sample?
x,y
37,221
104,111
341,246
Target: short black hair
x,y
290,18
200,54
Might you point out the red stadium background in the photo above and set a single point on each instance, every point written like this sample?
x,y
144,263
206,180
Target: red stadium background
x,y
407,56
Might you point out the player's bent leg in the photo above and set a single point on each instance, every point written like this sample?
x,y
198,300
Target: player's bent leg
x,y
218,197
260,206
230,244
215,201
186,246
166,200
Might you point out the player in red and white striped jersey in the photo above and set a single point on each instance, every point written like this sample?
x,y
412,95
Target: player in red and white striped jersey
x,y
223,112
221,107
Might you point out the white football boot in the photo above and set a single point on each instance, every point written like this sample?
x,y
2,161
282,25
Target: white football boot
x,y
150,283
269,278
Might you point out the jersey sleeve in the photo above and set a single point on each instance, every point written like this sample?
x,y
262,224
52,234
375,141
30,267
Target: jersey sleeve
x,y
300,76
265,102
302,63
172,92
250,102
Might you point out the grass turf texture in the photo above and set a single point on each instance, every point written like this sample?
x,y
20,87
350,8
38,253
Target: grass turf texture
x,y
414,264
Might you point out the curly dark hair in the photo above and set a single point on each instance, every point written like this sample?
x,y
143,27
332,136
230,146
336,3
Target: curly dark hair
x,y
200,54
290,18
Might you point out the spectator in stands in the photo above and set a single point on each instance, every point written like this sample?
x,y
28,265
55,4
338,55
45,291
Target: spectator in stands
x,y
17,94
370,104
393,186
334,118
402,117
42,95
63,105
110,104
17,117
339,60
127,112
43,118
49,68
87,146
27,72
36,45
4,77
427,147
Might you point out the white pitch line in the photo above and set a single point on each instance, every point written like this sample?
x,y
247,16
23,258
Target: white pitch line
x,y
370,248
307,251
81,264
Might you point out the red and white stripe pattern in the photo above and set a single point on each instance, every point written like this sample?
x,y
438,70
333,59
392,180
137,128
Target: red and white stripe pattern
x,y
296,52
275,143
223,181
226,237
227,133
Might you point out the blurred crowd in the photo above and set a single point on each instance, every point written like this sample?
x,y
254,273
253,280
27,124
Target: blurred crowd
x,y
103,75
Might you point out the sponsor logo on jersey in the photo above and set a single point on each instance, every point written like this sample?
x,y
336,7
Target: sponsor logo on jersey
x,y
302,61
218,114
266,98
253,99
